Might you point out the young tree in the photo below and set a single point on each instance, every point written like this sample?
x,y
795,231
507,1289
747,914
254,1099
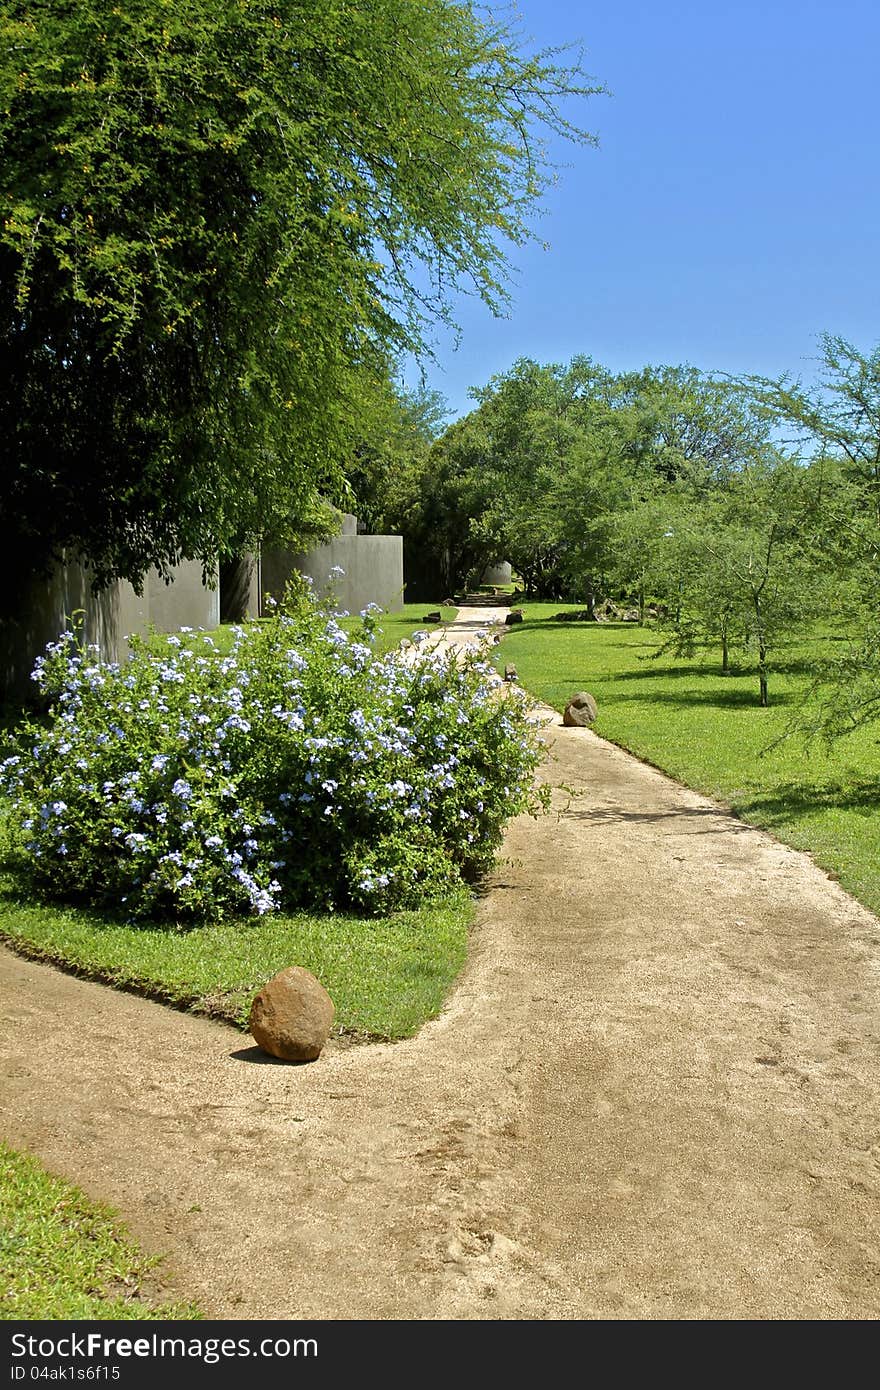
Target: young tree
x,y
217,223
750,571
837,423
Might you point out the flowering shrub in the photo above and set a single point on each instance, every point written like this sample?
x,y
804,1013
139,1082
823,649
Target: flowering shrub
x,y
299,769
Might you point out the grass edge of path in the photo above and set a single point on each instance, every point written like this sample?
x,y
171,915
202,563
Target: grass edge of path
x,y
706,734
66,1256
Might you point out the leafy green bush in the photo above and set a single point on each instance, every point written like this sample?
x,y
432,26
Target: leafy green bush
x,y
298,769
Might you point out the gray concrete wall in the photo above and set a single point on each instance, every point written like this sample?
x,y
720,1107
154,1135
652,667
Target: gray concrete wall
x,y
501,573
186,601
45,606
373,568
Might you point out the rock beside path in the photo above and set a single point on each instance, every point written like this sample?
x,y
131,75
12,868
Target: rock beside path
x,y
292,1015
580,711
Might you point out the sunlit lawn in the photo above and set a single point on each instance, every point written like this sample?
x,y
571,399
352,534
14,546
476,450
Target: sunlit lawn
x,y
708,731
391,627
64,1256
386,975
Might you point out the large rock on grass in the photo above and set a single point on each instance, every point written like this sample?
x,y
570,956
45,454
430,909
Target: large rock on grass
x,y
580,711
292,1015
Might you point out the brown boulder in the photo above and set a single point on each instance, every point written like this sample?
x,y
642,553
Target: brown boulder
x,y
291,1015
580,710
510,672
514,616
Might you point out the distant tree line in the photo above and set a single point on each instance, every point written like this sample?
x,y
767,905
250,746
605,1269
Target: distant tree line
x,y
734,512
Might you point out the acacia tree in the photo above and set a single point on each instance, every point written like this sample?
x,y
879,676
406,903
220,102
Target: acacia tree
x,y
837,421
750,570
384,477
838,417
217,223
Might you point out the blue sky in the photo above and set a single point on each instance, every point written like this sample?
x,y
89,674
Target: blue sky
x,y
731,211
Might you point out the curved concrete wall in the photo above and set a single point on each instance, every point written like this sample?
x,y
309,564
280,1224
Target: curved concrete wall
x,y
44,607
372,565
186,601
502,573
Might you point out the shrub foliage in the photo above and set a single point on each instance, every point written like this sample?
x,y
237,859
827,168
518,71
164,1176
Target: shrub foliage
x,y
299,769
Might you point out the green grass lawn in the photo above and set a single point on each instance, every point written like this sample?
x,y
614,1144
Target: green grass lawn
x,y
64,1257
391,628
708,731
385,975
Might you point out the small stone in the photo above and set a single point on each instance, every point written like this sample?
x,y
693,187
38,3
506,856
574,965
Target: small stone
x,y
292,1015
510,672
496,637
580,711
434,617
514,616
404,644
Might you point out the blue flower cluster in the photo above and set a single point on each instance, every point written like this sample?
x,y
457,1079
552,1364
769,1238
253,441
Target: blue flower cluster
x,y
300,768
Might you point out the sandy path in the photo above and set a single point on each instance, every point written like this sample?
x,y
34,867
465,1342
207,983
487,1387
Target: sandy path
x,y
655,1093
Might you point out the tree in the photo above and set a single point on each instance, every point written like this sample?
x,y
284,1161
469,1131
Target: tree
x,y
839,417
539,418
384,479
455,491
218,222
837,423
749,571
495,475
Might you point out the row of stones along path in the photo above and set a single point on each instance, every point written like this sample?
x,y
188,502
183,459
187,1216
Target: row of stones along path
x,y
654,1093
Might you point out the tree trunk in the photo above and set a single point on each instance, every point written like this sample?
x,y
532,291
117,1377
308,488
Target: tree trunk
x,y
762,675
762,651
725,653
591,601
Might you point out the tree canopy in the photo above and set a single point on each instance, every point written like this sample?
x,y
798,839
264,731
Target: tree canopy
x,y
219,224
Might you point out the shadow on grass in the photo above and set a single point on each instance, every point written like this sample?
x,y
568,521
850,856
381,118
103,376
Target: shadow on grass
x,y
651,669
721,699
794,800
559,625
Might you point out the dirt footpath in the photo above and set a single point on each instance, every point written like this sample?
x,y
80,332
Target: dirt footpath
x,y
654,1094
